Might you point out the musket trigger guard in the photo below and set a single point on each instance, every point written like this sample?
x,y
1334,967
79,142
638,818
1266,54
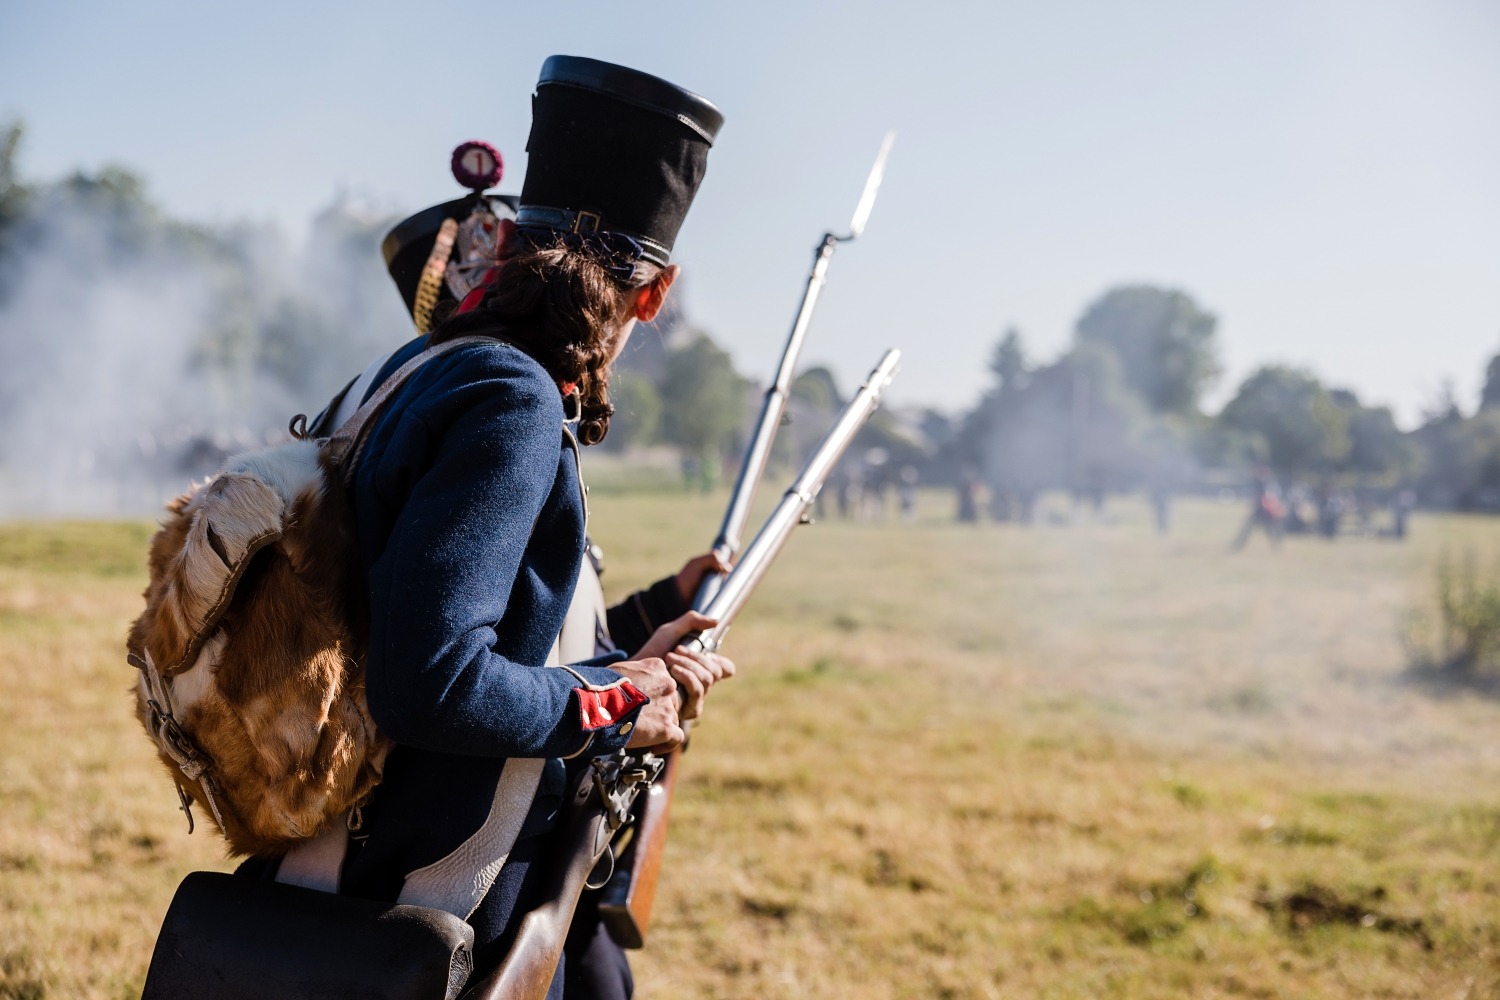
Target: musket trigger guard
x,y
607,859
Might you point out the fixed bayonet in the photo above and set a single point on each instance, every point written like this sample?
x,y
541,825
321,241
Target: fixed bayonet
x,y
872,188
773,407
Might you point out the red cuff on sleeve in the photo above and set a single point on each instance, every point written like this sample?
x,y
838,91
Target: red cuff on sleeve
x,y
600,708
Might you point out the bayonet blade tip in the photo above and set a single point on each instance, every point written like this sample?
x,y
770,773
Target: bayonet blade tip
x,y
872,187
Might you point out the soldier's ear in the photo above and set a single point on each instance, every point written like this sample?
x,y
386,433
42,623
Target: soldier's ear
x,y
649,300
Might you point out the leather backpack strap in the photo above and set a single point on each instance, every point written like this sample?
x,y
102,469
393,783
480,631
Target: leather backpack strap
x,y
458,882
347,442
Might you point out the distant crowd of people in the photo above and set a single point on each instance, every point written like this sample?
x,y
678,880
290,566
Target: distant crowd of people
x,y
862,490
1327,510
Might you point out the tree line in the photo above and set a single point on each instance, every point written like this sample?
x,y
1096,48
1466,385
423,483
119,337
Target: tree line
x,y
266,326
1122,408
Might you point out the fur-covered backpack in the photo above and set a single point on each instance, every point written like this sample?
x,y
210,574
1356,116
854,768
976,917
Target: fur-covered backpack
x,y
251,649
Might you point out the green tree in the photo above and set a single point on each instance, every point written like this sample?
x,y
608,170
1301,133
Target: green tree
x,y
1165,342
1378,450
703,399
1489,396
15,198
1301,428
817,389
1073,425
1008,362
1443,452
812,401
1479,476
13,194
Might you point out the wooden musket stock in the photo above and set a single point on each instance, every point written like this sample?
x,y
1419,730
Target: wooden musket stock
x,y
626,902
598,808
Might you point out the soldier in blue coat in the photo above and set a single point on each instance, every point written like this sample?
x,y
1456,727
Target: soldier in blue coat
x,y
471,517
440,260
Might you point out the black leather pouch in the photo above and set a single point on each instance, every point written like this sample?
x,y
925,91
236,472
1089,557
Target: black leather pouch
x,y
228,938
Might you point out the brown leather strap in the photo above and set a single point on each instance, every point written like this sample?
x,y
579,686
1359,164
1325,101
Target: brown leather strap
x,y
347,442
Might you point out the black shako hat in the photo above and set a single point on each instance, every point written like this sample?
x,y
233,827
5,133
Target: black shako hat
x,y
614,150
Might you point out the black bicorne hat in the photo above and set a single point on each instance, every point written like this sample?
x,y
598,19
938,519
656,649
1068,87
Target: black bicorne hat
x,y
614,150
408,246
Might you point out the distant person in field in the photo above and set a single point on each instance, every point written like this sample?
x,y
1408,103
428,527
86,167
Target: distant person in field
x,y
1266,511
877,483
1401,510
845,493
908,493
1330,509
969,499
1162,479
1161,509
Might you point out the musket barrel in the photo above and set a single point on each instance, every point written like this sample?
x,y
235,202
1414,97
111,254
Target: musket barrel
x,y
758,453
773,408
739,584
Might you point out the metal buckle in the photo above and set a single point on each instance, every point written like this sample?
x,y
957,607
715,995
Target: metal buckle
x,y
595,219
186,806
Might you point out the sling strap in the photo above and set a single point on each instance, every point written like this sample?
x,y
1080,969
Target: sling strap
x,y
349,440
458,882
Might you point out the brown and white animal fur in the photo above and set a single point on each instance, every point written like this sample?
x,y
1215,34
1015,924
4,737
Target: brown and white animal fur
x,y
254,613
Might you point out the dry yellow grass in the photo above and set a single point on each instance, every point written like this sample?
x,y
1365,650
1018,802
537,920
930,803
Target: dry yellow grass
x,y
964,762
90,844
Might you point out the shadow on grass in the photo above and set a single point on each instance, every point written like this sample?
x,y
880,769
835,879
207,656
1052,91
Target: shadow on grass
x,y
1452,679
1313,905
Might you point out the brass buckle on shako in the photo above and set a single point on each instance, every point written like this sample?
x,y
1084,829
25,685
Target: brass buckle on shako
x,y
587,222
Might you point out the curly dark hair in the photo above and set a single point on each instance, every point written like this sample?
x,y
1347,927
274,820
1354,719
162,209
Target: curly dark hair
x,y
561,306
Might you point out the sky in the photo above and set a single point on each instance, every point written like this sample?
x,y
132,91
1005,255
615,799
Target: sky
x,y
1322,176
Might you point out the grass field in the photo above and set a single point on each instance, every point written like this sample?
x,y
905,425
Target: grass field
x,y
959,761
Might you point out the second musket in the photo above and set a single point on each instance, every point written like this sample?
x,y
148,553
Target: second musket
x,y
792,510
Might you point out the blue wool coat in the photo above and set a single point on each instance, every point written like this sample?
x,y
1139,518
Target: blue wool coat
x,y
470,519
